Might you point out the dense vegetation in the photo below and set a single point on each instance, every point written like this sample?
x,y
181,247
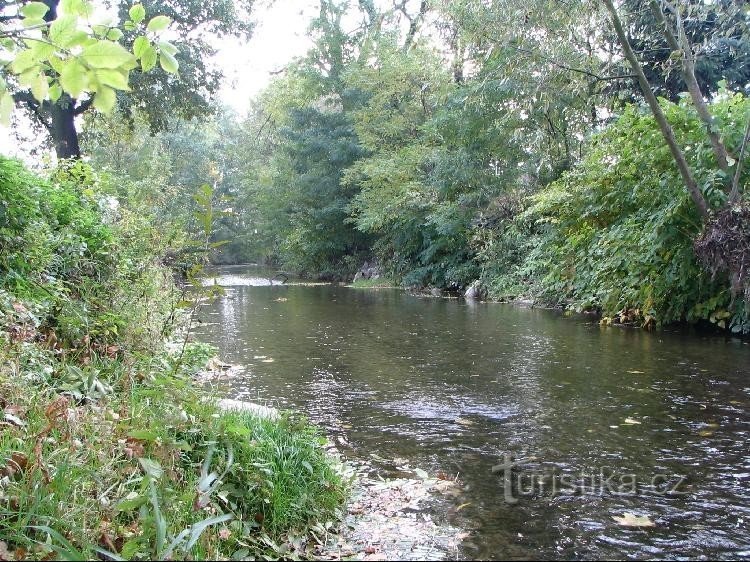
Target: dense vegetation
x,y
520,149
106,444
458,141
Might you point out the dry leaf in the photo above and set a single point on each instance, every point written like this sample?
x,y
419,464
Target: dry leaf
x,y
631,421
632,520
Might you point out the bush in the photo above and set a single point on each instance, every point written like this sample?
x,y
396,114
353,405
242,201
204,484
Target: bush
x,y
618,230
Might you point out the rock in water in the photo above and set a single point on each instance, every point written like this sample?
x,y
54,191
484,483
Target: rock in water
x,y
474,291
249,407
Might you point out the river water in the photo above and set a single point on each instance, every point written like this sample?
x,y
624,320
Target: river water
x,y
589,423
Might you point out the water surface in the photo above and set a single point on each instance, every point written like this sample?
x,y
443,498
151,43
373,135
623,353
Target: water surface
x,y
453,387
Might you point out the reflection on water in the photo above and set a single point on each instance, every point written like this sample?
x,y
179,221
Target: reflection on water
x,y
453,386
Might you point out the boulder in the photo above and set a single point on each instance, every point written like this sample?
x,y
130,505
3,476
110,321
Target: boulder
x,y
257,410
475,291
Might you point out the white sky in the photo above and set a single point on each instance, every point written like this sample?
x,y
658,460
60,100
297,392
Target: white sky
x,y
280,35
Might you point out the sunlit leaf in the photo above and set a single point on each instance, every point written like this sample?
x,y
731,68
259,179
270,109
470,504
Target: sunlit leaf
x,y
107,54
137,13
168,63
148,59
34,10
158,23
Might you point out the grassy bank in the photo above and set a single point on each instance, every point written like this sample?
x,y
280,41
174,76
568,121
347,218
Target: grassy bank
x,y
381,283
107,447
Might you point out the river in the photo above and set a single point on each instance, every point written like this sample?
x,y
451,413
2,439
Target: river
x,y
591,423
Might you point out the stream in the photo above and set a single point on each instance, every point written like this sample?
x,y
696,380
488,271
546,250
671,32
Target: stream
x,y
587,428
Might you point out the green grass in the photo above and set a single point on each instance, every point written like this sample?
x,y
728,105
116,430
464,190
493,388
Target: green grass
x,y
382,283
151,463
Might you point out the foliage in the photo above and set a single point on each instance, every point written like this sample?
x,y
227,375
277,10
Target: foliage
x,y
619,229
56,50
111,450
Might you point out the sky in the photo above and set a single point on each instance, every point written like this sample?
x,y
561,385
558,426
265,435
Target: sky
x,y
279,37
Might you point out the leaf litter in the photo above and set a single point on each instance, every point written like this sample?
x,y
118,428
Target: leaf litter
x,y
396,518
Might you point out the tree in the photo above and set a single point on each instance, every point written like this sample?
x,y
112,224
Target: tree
x,y
61,30
196,25
62,62
725,242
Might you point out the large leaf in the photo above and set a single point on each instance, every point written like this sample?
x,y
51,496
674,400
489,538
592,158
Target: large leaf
x,y
64,31
117,79
148,59
137,13
107,54
140,45
158,23
73,78
169,63
34,10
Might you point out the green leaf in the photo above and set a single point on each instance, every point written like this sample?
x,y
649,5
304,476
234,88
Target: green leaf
x,y
105,99
25,60
40,87
114,34
137,13
169,63
167,47
143,435
55,91
64,31
34,10
129,26
151,467
116,79
73,78
6,108
158,23
56,63
140,45
107,54
131,503
41,49
148,59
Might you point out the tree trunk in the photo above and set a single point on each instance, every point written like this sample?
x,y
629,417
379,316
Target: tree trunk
x,y
61,120
63,128
661,119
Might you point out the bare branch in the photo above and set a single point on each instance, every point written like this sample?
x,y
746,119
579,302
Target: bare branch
x,y
664,126
83,106
734,195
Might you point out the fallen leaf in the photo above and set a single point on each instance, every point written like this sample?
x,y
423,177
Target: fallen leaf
x,y
462,421
632,520
4,553
631,421
636,372
421,473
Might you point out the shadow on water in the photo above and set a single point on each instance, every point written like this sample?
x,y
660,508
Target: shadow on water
x,y
607,421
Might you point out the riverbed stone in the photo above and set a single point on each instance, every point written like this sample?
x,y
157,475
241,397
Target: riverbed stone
x,y
475,291
257,410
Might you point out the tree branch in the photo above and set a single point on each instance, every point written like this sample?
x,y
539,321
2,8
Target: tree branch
x,y
664,126
682,43
83,106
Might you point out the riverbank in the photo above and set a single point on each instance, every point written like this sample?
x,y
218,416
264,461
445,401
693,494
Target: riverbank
x,y
108,447
389,514
141,466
